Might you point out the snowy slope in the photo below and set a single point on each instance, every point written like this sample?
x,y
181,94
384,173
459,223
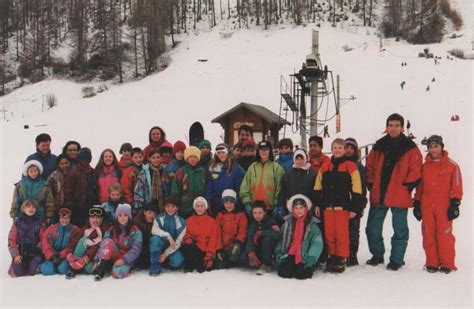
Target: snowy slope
x,y
247,68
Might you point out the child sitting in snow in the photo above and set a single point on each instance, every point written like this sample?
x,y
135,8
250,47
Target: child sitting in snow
x,y
120,247
200,241
167,235
232,226
301,244
144,220
57,242
24,241
115,198
262,238
33,186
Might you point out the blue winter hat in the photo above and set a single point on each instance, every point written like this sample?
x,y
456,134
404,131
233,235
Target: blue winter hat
x,y
84,155
204,143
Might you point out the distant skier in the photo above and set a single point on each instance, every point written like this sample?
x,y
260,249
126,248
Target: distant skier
x,y
402,84
428,88
326,132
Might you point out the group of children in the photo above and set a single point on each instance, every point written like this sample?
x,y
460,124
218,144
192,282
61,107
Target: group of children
x,y
176,206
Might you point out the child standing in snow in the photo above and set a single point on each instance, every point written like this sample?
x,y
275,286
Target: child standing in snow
x,y
126,157
200,241
149,186
169,172
109,207
262,237
302,243
232,225
107,173
120,247
130,175
32,186
24,241
165,243
58,242
437,202
56,180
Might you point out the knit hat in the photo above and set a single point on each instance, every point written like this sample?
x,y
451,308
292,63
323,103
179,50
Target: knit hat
x,y
229,195
433,139
84,155
250,143
192,151
204,143
64,211
202,200
300,152
179,146
165,147
395,116
299,199
30,163
124,209
222,147
352,142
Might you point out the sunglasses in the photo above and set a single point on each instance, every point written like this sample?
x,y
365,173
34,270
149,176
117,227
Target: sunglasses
x,y
95,212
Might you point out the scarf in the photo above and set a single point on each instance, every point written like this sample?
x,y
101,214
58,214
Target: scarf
x,y
297,242
156,187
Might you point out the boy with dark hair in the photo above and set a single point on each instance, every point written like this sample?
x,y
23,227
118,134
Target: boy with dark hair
x,y
316,156
285,153
126,159
43,155
130,175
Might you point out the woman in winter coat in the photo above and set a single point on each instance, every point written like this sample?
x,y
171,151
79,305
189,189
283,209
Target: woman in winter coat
x,y
120,247
107,173
262,180
298,180
57,243
24,241
149,185
71,150
302,243
224,173
232,225
156,137
82,259
33,186
80,188
170,170
190,182
200,242
56,180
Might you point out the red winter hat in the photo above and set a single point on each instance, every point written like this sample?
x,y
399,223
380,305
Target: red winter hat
x,y
179,146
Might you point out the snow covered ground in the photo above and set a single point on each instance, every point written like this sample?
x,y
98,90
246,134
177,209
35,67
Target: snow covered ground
x,y
246,68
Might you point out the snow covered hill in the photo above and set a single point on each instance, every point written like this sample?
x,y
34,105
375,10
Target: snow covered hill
x,y
246,67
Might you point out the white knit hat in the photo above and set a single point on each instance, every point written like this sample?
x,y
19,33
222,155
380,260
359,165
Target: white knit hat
x,y
30,163
229,194
202,200
296,198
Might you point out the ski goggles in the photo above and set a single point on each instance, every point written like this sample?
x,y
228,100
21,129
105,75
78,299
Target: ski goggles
x,y
299,201
96,212
222,149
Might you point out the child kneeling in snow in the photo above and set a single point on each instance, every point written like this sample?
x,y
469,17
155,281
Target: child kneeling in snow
x,y
57,242
167,234
232,226
24,241
200,241
262,237
301,244
120,247
82,257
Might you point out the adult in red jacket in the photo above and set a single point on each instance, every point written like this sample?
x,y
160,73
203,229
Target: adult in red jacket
x,y
393,170
437,203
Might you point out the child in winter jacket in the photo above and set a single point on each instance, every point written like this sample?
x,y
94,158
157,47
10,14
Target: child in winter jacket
x,y
190,182
149,185
129,177
262,237
170,170
232,225
58,242
126,156
338,191
107,172
285,154
33,186
301,244
56,180
437,202
120,247
224,173
80,188
166,153
200,242
24,241
262,181
91,236
144,221
109,207
167,235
